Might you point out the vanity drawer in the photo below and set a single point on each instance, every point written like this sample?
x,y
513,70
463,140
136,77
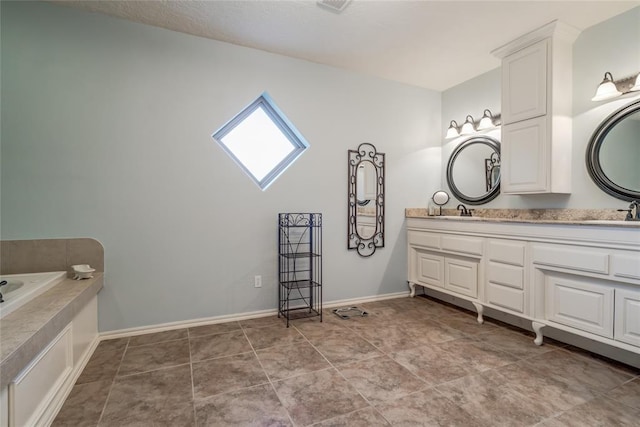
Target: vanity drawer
x,y
573,258
506,275
462,244
424,239
626,265
506,252
504,296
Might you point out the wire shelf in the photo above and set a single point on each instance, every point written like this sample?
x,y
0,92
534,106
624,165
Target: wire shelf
x,y
300,264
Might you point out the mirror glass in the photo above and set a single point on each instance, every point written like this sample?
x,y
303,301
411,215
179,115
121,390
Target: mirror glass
x,y
366,179
440,198
473,171
613,153
365,200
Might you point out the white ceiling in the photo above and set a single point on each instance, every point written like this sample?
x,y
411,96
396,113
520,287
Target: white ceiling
x,y
432,44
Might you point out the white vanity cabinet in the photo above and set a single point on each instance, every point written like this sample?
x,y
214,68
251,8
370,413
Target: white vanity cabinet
x,y
578,278
447,262
536,111
595,290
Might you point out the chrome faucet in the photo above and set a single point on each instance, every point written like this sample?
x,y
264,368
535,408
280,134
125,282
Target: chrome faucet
x,y
463,210
630,215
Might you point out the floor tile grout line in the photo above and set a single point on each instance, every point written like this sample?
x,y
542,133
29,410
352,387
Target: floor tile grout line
x,y
339,373
524,361
193,391
113,382
371,405
435,389
264,371
602,363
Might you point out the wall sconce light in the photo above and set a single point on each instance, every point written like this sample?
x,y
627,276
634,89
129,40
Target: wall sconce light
x,y
610,88
488,120
468,127
452,132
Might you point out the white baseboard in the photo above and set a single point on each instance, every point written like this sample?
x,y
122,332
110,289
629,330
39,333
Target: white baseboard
x,y
235,317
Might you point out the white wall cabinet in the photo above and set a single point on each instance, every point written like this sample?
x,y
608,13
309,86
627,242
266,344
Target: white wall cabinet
x,y
582,279
536,111
524,83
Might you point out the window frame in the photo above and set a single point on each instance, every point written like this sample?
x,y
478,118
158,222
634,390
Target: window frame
x,y
298,142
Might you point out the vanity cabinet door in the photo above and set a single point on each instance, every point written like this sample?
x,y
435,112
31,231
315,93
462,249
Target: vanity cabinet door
x,y
461,276
627,325
429,269
525,157
524,83
580,303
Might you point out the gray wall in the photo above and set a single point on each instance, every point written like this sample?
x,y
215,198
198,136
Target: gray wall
x,y
106,130
613,45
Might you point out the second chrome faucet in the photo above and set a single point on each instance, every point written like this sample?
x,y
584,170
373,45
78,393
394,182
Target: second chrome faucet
x,y
630,215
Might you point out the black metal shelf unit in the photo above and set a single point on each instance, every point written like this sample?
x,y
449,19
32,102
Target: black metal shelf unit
x,y
300,265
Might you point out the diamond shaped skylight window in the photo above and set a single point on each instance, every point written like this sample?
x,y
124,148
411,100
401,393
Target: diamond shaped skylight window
x,y
262,141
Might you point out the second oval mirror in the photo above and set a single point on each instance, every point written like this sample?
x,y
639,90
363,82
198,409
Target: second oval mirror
x,y
473,170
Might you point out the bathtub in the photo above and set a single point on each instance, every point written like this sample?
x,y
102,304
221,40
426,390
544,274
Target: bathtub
x,y
22,288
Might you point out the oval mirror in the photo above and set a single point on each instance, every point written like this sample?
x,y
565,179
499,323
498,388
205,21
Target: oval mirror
x,y
366,179
613,153
365,224
473,170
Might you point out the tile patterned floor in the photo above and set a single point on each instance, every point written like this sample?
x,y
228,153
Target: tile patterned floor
x,y
411,362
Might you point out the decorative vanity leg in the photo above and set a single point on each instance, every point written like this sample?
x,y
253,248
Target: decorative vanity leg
x,y
413,289
537,327
480,309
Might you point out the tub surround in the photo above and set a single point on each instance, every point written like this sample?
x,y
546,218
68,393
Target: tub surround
x,y
29,329
541,216
40,255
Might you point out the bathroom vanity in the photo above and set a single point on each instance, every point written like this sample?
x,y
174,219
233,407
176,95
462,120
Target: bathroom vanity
x,y
581,277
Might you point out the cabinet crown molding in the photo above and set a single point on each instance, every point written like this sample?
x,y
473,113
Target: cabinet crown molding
x,y
556,29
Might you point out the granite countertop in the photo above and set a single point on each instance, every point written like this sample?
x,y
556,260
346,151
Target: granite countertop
x,y
29,329
590,217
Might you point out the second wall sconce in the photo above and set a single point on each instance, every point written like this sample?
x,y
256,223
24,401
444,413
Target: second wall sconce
x,y
470,126
609,88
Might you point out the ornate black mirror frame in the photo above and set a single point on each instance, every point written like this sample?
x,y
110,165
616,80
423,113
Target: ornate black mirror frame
x,y
365,247
593,155
490,164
